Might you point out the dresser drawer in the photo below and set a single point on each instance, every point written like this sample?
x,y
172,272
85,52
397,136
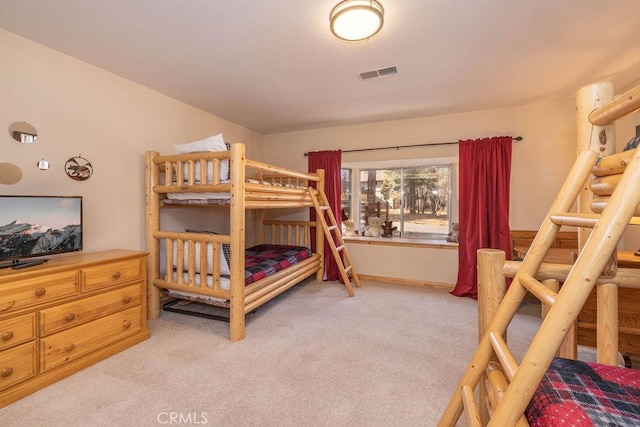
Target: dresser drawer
x,y
37,290
17,364
17,330
56,319
76,342
101,276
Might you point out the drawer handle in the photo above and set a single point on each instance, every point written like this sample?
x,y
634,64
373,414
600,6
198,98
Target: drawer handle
x,y
7,336
116,275
6,372
41,291
126,324
127,299
69,347
69,317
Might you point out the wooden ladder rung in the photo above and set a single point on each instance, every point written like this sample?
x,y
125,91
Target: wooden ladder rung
x,y
575,219
325,208
348,269
508,362
332,227
497,382
538,289
339,248
471,409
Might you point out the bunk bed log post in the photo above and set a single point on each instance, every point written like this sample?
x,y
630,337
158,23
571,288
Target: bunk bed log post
x,y
152,209
607,324
591,137
237,230
596,113
319,231
491,285
491,289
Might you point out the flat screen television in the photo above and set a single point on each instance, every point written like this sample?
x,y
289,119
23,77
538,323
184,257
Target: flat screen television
x,y
33,227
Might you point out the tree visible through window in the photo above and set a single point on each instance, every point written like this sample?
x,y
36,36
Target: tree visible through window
x,y
416,199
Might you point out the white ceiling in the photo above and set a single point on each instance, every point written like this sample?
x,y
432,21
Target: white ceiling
x,y
273,65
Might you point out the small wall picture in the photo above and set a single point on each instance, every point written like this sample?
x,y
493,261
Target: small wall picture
x,y
78,168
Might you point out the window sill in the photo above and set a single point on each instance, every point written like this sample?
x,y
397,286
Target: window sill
x,y
401,241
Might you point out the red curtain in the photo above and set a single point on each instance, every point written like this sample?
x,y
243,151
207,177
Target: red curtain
x,y
485,172
331,162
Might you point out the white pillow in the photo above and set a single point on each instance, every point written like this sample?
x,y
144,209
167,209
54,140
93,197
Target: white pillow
x,y
224,267
212,143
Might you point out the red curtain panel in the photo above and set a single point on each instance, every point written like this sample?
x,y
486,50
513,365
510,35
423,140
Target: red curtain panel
x,y
331,162
485,174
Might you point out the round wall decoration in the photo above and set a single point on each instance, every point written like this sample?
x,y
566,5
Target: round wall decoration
x,y
9,173
78,168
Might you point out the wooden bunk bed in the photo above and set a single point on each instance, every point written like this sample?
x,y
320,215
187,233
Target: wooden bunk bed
x,y
192,264
548,387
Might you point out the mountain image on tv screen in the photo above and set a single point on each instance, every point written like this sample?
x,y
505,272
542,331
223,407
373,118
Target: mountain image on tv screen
x,y
35,226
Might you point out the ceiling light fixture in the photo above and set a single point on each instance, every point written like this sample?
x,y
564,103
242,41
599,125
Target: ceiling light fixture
x,y
355,20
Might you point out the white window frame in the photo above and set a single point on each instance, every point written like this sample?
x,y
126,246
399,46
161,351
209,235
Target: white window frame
x,y
356,167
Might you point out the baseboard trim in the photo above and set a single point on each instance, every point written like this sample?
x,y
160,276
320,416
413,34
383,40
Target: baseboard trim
x,y
410,282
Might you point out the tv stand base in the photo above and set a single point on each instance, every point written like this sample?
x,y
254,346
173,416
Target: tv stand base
x,y
17,264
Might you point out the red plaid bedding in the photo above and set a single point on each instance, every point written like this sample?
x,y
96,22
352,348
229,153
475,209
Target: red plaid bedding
x,y
575,393
263,260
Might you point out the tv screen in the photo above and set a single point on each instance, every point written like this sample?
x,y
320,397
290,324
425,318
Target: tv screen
x,y
36,226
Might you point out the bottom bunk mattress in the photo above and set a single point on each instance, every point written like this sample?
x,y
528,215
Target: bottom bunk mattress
x,y
576,393
260,261
264,260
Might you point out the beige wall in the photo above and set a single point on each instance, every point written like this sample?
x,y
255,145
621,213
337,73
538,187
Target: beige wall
x,y
539,161
79,109
539,165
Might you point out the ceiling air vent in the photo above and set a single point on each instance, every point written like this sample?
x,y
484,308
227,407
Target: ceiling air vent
x,y
382,72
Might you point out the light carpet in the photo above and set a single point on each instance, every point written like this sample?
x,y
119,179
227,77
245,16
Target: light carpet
x,y
391,355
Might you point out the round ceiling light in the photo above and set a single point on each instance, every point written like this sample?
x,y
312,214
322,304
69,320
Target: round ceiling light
x,y
355,20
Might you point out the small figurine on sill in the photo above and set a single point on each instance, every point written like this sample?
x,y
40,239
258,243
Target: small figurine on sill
x,y
374,229
454,234
388,229
349,228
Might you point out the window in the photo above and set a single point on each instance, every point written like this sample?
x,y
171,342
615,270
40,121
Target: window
x,y
416,198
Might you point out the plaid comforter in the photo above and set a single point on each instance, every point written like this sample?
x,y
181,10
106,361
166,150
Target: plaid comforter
x,y
264,260
575,393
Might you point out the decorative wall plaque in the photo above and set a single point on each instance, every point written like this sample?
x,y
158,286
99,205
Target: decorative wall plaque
x,y
78,168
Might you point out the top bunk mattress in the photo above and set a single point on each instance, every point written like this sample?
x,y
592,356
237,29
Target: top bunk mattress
x,y
221,198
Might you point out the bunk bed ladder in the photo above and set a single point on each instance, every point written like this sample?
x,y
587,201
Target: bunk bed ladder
x,y
332,232
517,382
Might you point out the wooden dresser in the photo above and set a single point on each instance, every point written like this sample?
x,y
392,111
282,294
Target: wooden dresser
x,y
66,314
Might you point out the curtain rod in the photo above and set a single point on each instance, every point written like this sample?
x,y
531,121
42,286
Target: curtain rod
x,y
397,147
